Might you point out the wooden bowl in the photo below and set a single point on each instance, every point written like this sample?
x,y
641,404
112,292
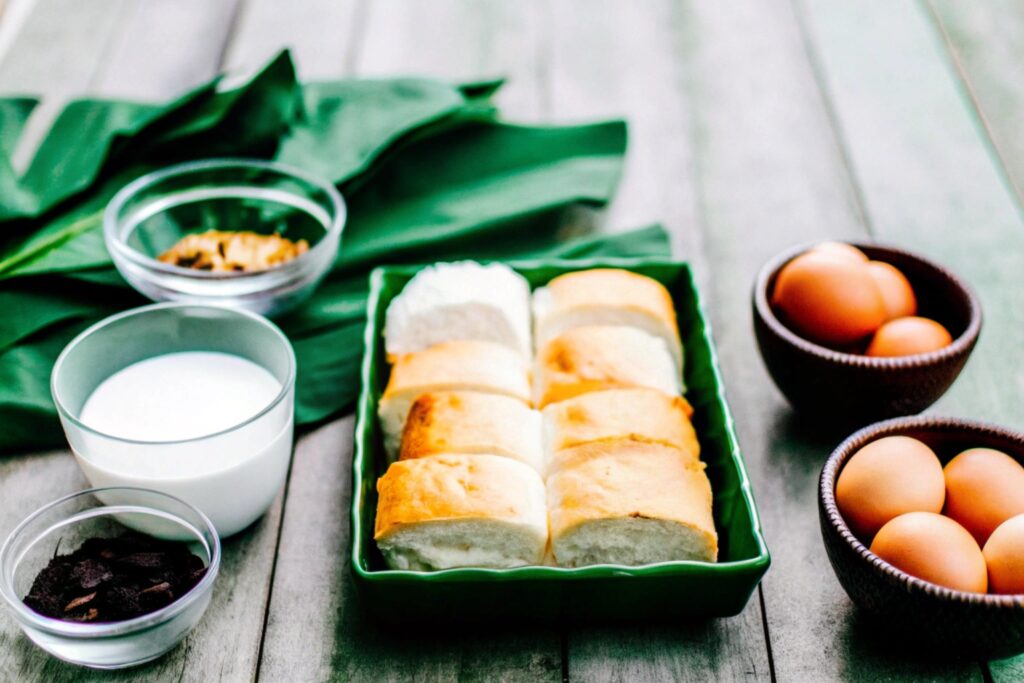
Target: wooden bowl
x,y
850,388
946,622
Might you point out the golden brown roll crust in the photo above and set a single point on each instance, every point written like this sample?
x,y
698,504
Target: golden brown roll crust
x,y
452,487
482,365
461,511
465,365
624,479
470,422
638,414
597,358
612,287
601,296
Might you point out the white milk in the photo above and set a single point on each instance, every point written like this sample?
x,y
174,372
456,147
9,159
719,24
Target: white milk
x,y
179,396
232,476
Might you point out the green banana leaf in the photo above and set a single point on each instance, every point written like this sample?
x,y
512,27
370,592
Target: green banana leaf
x,y
14,112
428,171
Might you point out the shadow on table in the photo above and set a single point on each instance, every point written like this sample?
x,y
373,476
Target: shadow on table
x,y
717,649
806,439
362,645
536,651
799,447
863,639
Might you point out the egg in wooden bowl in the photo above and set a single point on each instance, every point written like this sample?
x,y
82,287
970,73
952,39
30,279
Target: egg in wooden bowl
x,y
917,571
853,333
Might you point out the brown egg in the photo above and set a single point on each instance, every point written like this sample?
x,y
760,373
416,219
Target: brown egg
x,y
1004,555
828,298
984,488
842,249
934,548
886,478
909,336
897,294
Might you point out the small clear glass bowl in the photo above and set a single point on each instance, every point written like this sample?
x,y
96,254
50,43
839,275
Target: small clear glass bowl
x,y
62,526
150,215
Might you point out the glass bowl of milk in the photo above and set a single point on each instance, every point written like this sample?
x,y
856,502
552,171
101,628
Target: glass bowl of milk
x,y
193,400
61,527
150,215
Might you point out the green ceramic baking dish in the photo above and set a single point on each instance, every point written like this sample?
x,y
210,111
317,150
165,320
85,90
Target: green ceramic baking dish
x,y
669,590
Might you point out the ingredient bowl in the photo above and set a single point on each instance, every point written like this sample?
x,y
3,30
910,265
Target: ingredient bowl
x,y
151,214
854,389
948,622
62,526
233,474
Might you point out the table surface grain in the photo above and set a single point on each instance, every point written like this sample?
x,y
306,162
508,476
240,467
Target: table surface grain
x,y
753,125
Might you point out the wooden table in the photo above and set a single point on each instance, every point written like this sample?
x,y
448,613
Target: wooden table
x,y
754,125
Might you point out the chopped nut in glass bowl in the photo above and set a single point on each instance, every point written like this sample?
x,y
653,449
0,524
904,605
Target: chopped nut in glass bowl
x,y
241,233
223,251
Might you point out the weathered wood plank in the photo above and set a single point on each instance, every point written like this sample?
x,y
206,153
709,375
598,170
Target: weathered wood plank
x,y
312,573
929,181
987,43
927,177
162,49
589,80
770,174
55,54
317,32
13,14
59,47
462,41
61,54
323,637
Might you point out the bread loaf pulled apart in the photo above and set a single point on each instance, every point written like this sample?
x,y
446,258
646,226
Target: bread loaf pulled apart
x,y
462,300
585,359
581,454
472,423
449,511
606,296
629,502
462,365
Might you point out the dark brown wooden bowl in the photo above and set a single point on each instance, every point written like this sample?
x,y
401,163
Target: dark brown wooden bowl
x,y
946,622
851,388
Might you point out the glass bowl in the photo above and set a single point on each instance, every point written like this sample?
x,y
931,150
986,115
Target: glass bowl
x,y
151,214
232,475
65,524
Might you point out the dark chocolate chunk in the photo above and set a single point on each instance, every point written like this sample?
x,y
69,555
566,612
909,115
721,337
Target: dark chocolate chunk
x,y
111,579
146,560
89,573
